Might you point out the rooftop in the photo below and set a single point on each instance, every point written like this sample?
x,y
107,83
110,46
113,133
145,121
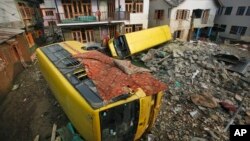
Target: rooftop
x,y
8,33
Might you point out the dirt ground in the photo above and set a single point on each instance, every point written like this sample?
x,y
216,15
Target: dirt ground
x,y
30,110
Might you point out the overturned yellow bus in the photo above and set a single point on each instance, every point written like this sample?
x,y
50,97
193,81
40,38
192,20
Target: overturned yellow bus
x,y
131,43
121,117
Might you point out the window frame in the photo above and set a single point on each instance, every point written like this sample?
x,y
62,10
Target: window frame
x,y
51,23
228,11
134,6
220,11
239,30
49,13
224,27
159,14
239,10
248,11
182,14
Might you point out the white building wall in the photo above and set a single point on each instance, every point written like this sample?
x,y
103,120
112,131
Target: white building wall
x,y
9,15
140,18
191,5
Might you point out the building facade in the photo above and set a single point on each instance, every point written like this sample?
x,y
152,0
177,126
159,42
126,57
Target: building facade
x,y
22,14
188,19
50,17
32,19
19,28
233,20
98,20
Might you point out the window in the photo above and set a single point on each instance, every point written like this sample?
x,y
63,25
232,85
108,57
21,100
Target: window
x,y
178,34
220,10
51,23
138,27
228,11
25,11
89,34
134,6
49,13
197,13
128,28
133,28
223,28
159,14
248,11
241,10
182,14
83,35
77,36
75,8
238,30
205,16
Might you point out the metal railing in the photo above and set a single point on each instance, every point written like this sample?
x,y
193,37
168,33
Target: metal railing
x,y
93,17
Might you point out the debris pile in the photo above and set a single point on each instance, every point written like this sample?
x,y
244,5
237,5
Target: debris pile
x,y
203,94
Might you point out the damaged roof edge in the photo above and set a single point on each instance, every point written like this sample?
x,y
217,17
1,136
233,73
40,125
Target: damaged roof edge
x,y
175,3
8,33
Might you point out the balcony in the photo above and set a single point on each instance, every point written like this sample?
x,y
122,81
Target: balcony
x,y
203,22
93,17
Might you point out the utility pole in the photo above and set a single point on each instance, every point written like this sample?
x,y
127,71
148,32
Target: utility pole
x,y
98,12
191,30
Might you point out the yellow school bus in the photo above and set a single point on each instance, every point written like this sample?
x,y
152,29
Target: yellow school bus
x,y
134,42
123,119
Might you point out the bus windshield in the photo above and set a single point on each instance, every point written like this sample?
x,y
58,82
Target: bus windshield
x,y
121,46
120,123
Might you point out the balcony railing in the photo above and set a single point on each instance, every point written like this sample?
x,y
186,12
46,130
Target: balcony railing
x,y
93,17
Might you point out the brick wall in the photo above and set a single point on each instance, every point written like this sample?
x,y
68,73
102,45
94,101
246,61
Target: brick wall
x,y
10,59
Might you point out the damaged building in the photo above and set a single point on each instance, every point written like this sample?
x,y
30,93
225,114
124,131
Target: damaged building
x,y
188,19
25,15
14,56
20,30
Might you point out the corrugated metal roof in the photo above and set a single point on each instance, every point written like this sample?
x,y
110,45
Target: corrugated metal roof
x,y
7,33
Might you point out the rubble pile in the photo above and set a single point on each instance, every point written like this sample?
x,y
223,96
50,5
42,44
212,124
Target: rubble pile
x,y
203,95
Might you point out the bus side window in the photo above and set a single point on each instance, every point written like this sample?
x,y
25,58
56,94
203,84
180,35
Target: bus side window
x,y
122,44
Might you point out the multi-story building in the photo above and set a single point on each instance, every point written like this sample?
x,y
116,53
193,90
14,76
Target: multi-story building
x,y
50,17
95,20
188,19
233,20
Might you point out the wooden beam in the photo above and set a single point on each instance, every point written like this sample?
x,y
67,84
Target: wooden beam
x,y
53,135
